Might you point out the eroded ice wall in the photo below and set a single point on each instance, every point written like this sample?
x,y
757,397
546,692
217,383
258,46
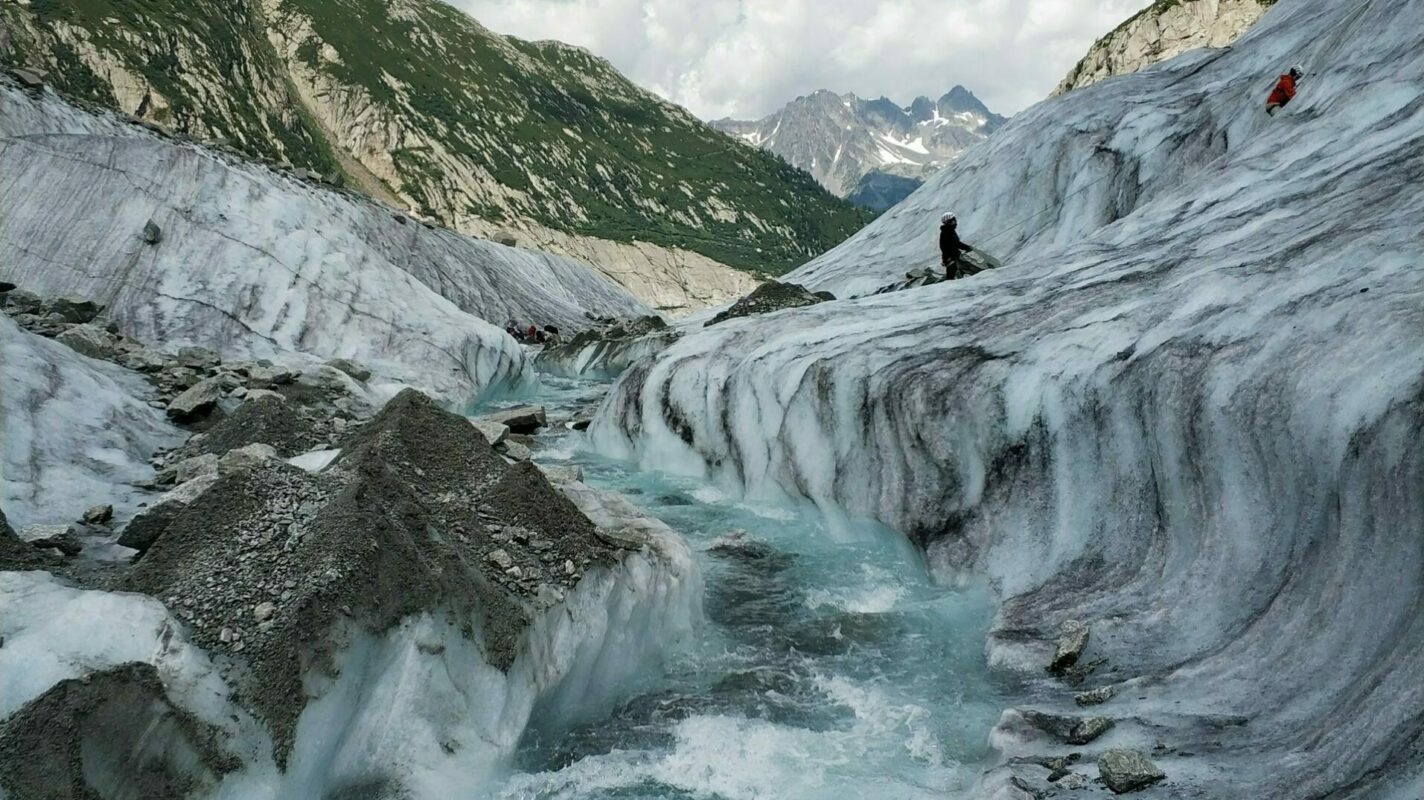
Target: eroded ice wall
x,y
255,262
1188,410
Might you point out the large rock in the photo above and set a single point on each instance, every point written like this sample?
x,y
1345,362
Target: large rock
x,y
1127,771
1072,641
145,528
63,538
772,296
198,358
351,368
521,419
197,401
109,734
19,301
90,340
71,309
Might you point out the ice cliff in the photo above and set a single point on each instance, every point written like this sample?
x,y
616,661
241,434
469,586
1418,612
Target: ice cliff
x,y
1187,411
259,263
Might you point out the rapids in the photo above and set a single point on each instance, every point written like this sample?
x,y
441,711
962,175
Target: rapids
x,y
829,664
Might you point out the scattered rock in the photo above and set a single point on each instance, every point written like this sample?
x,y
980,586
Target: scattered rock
x,y
152,234
99,515
625,538
196,402
351,368
63,538
72,310
19,301
196,467
1072,641
516,451
198,358
1127,771
264,611
90,340
145,528
772,296
506,238
1072,781
521,419
582,422
559,474
1089,729
251,456
500,559
1094,697
5,288
494,432
264,376
29,78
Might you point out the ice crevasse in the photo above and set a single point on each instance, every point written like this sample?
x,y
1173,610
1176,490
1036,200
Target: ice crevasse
x,y
1187,411
258,263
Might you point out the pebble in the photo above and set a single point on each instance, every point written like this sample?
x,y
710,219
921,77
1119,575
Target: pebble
x,y
264,611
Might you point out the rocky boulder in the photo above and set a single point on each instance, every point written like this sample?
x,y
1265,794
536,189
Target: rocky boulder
x,y
521,419
90,340
267,419
63,538
351,368
19,301
1072,641
1127,771
772,296
197,401
17,554
109,734
72,310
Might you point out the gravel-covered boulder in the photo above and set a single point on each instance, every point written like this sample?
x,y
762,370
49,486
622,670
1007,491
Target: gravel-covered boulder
x,y
267,419
90,340
772,296
268,560
109,734
197,401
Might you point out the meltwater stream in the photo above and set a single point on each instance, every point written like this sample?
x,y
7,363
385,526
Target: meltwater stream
x,y
829,664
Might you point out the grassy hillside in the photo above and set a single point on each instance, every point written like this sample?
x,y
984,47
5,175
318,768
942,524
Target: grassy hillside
x,y
432,108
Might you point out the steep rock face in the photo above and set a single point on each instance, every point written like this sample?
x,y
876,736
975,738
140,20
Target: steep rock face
x,y
841,138
1165,29
256,263
424,108
1185,413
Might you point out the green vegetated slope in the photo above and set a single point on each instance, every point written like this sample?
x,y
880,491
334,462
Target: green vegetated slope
x,y
431,107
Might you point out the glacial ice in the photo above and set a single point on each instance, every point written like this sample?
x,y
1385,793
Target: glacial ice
x,y
76,431
256,263
1187,410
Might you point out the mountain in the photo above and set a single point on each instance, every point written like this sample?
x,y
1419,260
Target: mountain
x,y
418,105
1184,415
879,190
840,139
1164,29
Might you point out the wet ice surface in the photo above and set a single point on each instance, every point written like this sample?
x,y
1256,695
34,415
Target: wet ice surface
x,y
829,664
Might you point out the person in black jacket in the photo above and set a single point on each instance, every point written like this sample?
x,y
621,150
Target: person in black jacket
x,y
950,248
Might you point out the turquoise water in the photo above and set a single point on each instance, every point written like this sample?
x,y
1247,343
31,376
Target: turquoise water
x,y
829,665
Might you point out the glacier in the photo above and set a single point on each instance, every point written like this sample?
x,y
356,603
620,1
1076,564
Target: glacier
x,y
1187,410
77,431
257,263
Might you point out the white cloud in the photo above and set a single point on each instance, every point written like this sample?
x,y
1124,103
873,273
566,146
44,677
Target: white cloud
x,y
746,58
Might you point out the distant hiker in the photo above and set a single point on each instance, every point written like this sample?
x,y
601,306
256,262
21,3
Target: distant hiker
x,y
513,330
532,334
1285,90
950,248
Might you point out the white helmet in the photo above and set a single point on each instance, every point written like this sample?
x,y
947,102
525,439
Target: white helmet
x,y
948,218
1298,71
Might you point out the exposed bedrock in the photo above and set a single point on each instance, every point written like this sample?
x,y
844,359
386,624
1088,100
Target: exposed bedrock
x,y
1195,429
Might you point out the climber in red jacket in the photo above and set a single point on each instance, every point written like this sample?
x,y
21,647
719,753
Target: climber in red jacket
x,y
1284,91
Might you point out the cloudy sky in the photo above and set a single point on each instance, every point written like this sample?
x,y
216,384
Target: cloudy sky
x,y
746,58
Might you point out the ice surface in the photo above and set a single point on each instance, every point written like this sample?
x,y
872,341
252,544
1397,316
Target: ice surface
x,y
257,263
74,432
1187,410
